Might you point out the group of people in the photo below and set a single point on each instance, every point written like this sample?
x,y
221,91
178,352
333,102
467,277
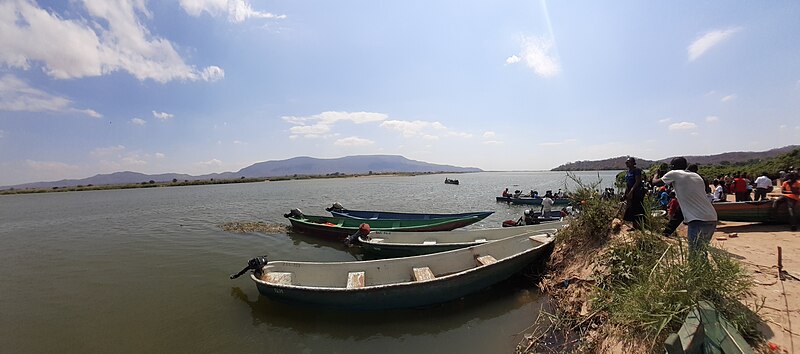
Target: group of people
x,y
688,198
533,194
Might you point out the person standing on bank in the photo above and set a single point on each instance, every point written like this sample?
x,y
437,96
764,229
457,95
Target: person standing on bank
x,y
763,186
698,213
634,193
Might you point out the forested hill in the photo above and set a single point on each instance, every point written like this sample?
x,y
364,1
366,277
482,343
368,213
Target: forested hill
x,y
618,163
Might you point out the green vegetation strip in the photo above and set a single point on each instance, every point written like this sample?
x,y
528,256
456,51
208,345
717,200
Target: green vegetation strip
x,y
259,226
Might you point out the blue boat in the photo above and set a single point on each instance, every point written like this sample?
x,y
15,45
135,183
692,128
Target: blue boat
x,y
338,210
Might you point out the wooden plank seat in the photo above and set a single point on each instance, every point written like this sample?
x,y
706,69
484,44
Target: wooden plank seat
x,y
429,242
481,240
280,278
486,260
355,280
423,273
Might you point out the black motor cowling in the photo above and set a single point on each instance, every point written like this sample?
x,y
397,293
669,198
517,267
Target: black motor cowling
x,y
254,264
335,207
294,213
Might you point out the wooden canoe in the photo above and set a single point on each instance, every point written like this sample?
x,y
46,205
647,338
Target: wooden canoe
x,y
378,215
331,226
385,244
400,282
760,211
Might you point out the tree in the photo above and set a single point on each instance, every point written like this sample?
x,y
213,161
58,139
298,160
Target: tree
x,y
174,180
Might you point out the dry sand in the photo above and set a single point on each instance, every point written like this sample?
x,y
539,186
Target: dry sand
x,y
756,246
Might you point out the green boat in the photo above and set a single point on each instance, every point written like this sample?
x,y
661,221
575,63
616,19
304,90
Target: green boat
x,y
760,211
336,227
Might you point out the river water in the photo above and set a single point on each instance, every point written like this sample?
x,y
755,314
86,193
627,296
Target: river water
x,y
146,270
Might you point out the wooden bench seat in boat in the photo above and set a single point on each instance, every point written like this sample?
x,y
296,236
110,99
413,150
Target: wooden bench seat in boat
x,y
280,278
355,280
423,273
429,242
486,260
481,240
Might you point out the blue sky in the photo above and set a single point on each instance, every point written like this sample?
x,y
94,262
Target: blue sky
x,y
200,86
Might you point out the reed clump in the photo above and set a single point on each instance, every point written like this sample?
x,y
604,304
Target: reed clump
x,y
625,289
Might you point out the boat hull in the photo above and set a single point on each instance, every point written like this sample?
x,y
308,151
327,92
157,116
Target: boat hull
x,y
408,294
334,227
378,215
760,211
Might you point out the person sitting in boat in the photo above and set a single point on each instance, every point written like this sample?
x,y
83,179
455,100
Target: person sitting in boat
x,y
506,194
719,194
559,194
535,194
530,218
790,191
517,193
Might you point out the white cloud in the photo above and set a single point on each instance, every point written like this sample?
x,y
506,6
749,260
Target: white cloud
x,y
138,121
162,115
210,163
319,125
712,119
50,166
17,95
237,10
682,126
107,151
665,120
109,36
537,54
212,73
423,129
728,98
513,59
492,142
558,143
160,156
353,141
489,135
708,41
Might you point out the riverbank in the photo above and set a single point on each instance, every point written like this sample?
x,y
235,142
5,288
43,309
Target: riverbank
x,y
177,183
616,289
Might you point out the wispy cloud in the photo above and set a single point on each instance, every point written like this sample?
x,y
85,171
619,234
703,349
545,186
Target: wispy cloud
x,y
682,126
712,119
162,115
105,36
107,151
17,95
728,98
237,10
423,129
558,143
138,121
538,54
489,135
353,141
665,120
50,166
492,142
319,125
211,163
708,41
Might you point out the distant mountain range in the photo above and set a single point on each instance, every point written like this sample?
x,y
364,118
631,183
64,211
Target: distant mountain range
x,y
618,163
294,166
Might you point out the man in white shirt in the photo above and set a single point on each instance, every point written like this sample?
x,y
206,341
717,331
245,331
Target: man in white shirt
x,y
547,205
763,185
699,215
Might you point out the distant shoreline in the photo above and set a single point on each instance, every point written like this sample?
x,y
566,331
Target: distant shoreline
x,y
176,183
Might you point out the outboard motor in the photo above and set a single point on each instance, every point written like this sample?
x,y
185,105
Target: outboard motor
x,y
336,206
354,239
294,213
254,264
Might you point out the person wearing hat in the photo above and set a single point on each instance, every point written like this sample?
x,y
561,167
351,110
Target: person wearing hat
x,y
634,193
690,190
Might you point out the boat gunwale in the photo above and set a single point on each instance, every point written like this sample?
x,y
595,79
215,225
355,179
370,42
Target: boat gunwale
x,y
537,232
368,288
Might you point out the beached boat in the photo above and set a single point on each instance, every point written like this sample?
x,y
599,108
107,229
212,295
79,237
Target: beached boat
x,y
331,226
760,211
398,282
450,181
378,215
384,244
558,202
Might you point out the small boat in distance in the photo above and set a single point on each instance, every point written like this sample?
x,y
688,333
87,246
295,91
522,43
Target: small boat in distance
x,y
336,227
338,210
386,244
398,282
450,181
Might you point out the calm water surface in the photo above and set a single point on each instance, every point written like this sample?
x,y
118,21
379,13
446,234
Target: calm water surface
x,y
146,270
